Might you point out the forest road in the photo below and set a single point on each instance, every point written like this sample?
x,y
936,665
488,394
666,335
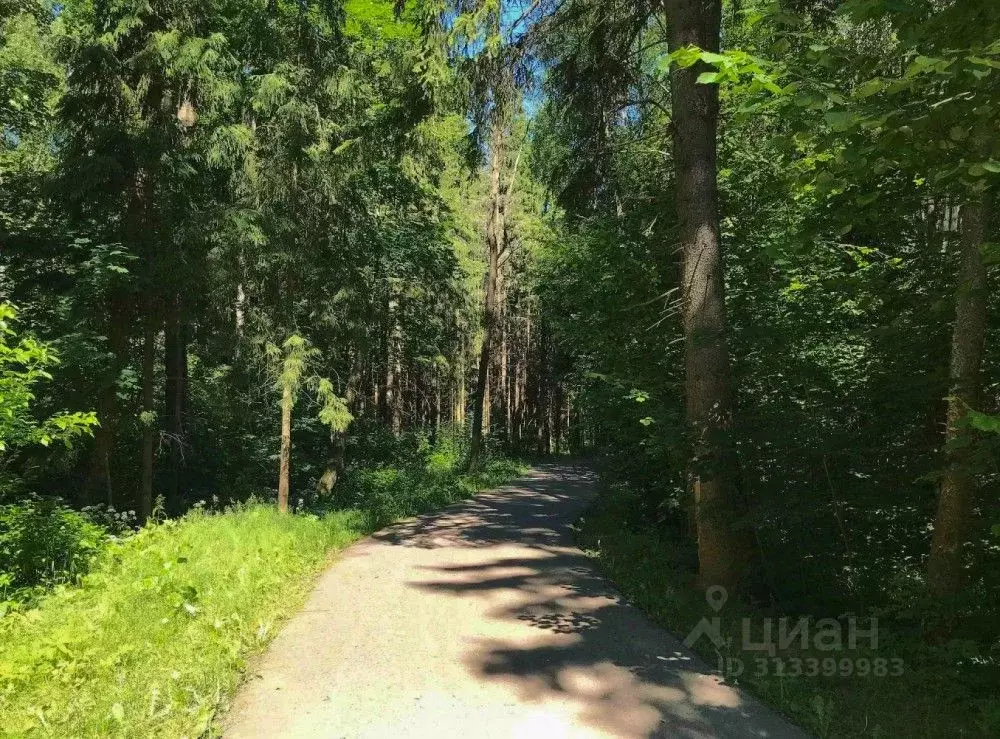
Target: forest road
x,y
483,620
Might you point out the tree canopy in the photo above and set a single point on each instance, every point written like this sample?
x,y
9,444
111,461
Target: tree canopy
x,y
743,254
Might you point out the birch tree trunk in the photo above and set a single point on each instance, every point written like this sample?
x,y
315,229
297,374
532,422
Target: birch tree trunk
x,y
393,397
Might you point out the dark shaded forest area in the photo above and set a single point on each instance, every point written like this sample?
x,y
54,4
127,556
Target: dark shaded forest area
x,y
355,257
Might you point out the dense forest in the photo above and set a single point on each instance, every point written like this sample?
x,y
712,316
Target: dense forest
x,y
335,254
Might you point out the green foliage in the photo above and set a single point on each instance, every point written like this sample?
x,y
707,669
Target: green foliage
x,y
29,77
841,186
733,67
984,421
43,543
433,477
24,363
203,178
292,365
293,174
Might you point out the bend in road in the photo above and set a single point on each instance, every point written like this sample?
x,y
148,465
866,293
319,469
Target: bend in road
x,y
484,620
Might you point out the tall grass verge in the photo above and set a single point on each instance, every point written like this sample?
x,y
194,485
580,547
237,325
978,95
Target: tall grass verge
x,y
155,639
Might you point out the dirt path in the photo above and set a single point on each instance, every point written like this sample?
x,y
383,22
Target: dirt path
x,y
484,621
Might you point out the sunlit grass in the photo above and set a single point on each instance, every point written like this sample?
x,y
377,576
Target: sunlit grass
x,y
155,640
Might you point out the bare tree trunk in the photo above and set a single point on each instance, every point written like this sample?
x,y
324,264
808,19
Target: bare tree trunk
x,y
148,414
723,550
557,414
522,381
463,391
495,237
458,405
378,389
488,405
392,398
175,387
284,470
575,426
504,385
944,568
550,424
480,407
386,380
399,396
100,485
543,400
437,403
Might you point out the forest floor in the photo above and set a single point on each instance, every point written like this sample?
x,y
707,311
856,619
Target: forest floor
x,y
484,620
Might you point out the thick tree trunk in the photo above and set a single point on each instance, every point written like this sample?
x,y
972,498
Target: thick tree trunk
x,y
723,550
944,568
148,415
285,463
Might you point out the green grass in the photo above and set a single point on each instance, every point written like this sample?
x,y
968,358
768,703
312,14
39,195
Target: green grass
x,y
391,493
930,699
154,641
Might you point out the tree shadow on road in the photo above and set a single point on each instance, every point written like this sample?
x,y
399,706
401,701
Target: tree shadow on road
x,y
559,633
624,675
534,510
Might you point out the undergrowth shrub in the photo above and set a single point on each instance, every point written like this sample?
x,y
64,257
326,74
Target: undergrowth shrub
x,y
425,476
389,493
448,451
43,543
372,445
116,522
